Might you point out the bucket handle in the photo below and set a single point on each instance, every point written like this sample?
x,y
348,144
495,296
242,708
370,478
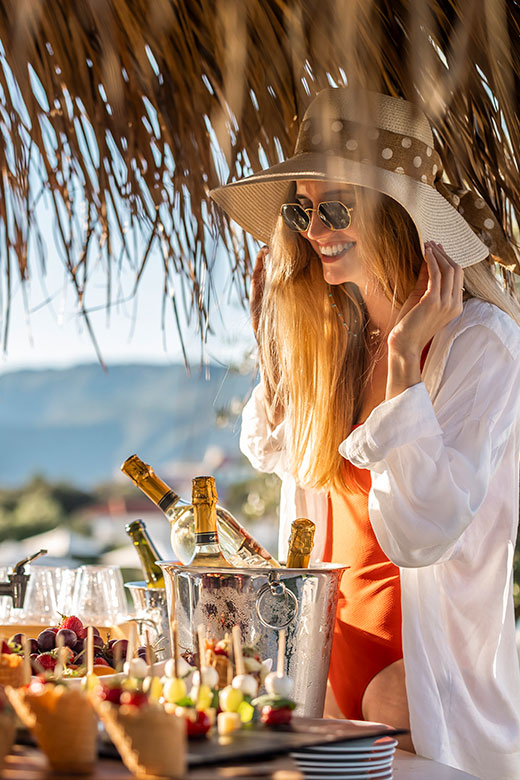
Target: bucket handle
x,y
276,588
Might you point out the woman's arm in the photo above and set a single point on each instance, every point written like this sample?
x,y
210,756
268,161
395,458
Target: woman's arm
x,y
432,464
260,443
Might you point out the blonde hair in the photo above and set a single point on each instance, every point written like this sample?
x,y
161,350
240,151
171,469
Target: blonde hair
x,y
315,363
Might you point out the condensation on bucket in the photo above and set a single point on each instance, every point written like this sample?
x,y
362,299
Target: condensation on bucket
x,y
260,601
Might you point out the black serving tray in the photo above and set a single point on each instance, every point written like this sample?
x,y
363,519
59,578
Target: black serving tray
x,y
258,741
261,741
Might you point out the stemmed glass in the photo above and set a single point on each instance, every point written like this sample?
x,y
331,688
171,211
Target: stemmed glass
x,y
99,596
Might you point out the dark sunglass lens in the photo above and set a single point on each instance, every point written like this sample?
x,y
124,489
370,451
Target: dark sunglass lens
x,y
295,217
335,215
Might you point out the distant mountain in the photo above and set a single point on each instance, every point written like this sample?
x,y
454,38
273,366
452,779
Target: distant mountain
x,y
79,424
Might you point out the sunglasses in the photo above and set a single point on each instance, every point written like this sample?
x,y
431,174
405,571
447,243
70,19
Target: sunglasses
x,y
333,213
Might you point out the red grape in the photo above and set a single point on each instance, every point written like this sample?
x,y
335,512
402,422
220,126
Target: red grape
x,y
46,640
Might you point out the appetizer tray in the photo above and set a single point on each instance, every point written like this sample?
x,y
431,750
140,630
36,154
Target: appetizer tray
x,y
260,742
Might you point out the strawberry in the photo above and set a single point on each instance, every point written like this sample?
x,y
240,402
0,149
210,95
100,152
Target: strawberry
x,y
99,661
5,647
74,624
68,655
110,693
46,661
280,716
221,651
199,726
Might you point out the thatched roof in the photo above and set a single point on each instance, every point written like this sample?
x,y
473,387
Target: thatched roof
x,y
137,109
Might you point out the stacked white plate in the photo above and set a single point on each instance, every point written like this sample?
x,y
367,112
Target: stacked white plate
x,y
358,759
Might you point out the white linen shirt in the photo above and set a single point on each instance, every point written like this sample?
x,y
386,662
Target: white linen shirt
x,y
443,457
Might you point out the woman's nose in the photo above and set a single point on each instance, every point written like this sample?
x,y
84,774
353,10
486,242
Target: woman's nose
x,y
316,227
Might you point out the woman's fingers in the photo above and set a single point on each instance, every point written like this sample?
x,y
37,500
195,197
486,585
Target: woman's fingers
x,y
458,278
446,276
434,273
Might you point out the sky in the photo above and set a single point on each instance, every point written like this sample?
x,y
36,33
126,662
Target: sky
x,y
46,331
52,334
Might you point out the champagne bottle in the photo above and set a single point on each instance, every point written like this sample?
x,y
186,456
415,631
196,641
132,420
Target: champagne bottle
x,y
237,545
207,547
301,542
147,553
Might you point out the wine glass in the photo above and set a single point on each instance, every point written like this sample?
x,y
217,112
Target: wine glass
x,y
40,605
99,597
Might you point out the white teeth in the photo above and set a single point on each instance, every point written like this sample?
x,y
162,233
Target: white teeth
x,y
335,249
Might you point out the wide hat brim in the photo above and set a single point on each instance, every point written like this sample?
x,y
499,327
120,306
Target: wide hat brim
x,y
254,202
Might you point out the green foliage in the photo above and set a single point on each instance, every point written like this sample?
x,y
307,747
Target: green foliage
x,y
255,498
37,507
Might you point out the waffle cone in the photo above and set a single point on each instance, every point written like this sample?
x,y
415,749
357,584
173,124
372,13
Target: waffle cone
x,y
64,724
11,670
150,741
7,730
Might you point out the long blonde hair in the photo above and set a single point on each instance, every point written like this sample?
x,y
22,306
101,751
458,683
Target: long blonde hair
x,y
315,363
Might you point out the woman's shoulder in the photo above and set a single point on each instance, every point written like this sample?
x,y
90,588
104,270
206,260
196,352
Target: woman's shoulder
x,y
479,313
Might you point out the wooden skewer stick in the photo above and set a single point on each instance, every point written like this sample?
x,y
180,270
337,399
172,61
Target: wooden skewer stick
x,y
90,650
149,652
229,648
130,650
280,663
26,661
237,649
201,633
174,635
175,646
201,657
60,645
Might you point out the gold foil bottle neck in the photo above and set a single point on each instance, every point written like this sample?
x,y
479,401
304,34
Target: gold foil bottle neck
x,y
136,468
204,490
301,542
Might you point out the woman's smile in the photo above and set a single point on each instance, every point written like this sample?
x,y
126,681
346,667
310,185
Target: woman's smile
x,y
332,252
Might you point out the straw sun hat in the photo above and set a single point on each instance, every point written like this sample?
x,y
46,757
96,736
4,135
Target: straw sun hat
x,y
384,143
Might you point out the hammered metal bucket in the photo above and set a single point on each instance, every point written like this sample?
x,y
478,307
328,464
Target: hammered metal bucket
x,y
151,614
263,601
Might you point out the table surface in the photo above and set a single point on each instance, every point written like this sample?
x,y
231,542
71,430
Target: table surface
x,y
26,763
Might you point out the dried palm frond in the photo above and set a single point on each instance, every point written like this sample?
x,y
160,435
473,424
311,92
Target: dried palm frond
x,y
125,113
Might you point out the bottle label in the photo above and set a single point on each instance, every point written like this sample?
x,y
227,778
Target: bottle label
x,y
166,500
206,537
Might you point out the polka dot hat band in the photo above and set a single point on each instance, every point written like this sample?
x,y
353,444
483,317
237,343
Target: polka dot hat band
x,y
392,151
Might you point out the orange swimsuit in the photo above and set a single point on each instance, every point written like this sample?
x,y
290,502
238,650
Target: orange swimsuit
x,y
367,632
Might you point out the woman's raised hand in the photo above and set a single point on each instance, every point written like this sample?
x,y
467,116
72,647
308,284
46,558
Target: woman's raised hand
x,y
435,300
257,287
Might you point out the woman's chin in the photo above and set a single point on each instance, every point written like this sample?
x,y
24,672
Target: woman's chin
x,y
335,276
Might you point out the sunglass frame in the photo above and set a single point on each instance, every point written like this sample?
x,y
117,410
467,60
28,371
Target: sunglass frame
x,y
321,215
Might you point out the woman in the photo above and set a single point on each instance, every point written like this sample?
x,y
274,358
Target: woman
x,y
389,407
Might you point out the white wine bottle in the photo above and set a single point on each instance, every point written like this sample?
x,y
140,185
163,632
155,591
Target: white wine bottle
x,y
238,546
207,547
147,553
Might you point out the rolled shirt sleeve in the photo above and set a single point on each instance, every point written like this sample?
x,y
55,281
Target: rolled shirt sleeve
x,y
431,460
263,446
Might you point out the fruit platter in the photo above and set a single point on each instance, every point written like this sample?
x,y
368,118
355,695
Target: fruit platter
x,y
70,634
220,703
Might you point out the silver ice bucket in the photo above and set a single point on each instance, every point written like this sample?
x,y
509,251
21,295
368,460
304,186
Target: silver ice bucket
x,y
151,615
263,601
